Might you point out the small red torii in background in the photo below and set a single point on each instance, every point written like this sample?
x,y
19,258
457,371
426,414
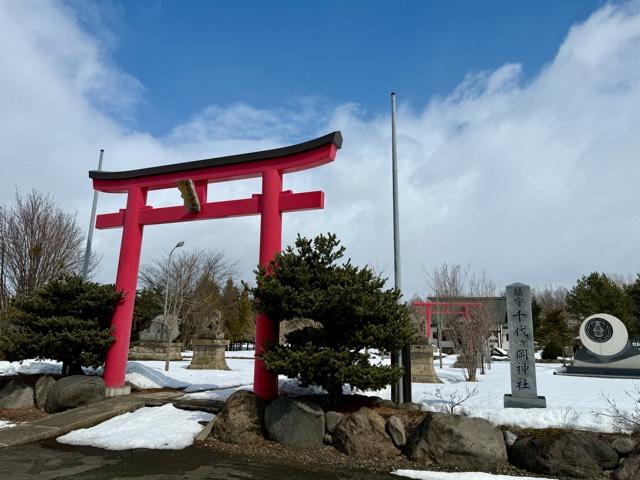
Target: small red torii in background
x,y
270,165
444,308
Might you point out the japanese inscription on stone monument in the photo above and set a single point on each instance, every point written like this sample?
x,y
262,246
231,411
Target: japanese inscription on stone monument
x,y
524,393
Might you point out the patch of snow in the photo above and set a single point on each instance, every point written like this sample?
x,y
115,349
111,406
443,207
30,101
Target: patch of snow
x,y
5,424
166,428
248,354
221,394
427,475
31,367
151,374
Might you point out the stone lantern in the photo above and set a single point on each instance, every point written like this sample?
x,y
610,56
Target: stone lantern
x,y
209,346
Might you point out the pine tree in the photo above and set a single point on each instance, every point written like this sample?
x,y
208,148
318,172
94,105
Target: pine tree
x,y
66,320
597,293
237,316
147,307
351,309
554,328
633,292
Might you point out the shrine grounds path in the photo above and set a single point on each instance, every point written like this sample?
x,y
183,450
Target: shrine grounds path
x,y
49,460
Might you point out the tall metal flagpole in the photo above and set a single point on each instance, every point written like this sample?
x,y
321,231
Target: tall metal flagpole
x,y
402,391
92,223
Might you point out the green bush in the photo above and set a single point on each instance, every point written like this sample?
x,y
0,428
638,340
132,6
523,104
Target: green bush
x,y
551,351
350,307
68,320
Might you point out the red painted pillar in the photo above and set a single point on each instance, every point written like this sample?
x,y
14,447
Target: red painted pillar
x,y
265,384
126,281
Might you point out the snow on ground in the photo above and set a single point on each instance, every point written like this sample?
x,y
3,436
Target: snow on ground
x,y
426,475
31,367
163,427
151,374
241,354
571,401
5,424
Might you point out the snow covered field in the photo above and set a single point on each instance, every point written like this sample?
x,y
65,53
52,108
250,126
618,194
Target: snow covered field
x,y
572,401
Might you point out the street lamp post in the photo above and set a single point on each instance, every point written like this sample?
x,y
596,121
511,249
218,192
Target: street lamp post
x,y
166,303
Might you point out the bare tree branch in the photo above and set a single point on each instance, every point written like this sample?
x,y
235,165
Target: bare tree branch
x,y
39,241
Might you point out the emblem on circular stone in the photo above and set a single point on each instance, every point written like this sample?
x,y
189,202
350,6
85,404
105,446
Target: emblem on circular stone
x,y
598,330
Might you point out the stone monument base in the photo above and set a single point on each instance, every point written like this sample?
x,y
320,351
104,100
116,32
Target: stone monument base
x,y
148,350
600,371
208,354
511,401
422,370
118,391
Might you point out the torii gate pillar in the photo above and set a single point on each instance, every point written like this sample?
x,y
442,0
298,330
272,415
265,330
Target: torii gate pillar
x,y
265,384
269,165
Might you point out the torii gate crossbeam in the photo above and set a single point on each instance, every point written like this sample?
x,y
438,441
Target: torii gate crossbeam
x,y
269,165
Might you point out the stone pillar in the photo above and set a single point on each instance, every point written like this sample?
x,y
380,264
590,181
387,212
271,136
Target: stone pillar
x,y
422,370
524,391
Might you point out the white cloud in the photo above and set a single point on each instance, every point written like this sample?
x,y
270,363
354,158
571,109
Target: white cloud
x,y
533,180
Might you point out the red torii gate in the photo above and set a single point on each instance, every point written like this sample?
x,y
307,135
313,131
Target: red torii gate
x,y
445,308
270,165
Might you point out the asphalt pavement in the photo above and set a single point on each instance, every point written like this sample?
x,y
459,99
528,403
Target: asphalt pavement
x,y
49,460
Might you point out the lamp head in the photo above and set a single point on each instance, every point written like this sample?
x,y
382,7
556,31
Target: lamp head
x,y
180,244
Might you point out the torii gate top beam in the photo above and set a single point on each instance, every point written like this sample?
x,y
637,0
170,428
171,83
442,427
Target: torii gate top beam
x,y
234,167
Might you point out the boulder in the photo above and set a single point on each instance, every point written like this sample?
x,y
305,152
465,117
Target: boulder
x,y
464,442
295,423
363,434
161,330
395,429
240,420
332,419
509,438
410,406
16,395
630,469
42,389
564,452
74,391
624,445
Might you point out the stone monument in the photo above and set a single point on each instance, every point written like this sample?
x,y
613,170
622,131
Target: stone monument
x,y
152,344
524,392
422,370
208,347
607,349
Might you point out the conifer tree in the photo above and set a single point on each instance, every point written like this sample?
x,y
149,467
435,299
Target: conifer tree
x,y
597,293
68,320
352,313
554,328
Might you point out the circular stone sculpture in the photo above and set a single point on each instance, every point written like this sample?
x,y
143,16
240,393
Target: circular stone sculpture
x,y
604,334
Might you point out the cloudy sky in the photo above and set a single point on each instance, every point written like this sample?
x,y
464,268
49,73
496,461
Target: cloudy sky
x,y
519,128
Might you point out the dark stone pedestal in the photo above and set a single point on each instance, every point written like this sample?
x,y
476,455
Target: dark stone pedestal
x,y
511,401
